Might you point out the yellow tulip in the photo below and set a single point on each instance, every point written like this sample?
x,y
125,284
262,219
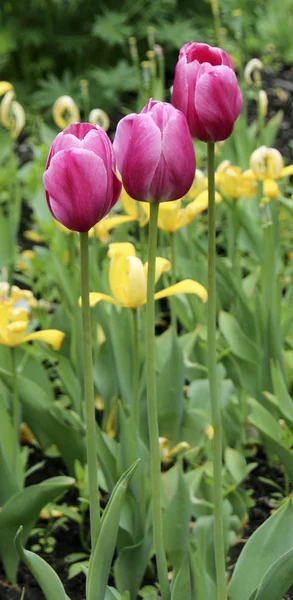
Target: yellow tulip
x,y
235,183
65,111
33,236
267,165
200,183
13,329
12,115
128,279
98,116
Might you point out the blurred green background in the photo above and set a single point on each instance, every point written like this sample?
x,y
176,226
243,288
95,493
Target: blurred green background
x,y
48,46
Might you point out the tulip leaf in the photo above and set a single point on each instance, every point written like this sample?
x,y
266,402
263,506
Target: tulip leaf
x,y
283,397
277,579
131,564
177,519
23,509
46,577
268,427
170,395
239,343
269,543
101,557
49,422
121,328
182,584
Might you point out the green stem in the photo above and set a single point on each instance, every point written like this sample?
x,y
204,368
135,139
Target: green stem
x,y
15,411
152,408
269,257
213,384
173,280
91,442
136,404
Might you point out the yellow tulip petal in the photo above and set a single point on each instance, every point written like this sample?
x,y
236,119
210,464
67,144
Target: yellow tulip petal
x,y
18,115
54,337
187,286
168,215
119,277
5,86
105,225
162,266
96,297
5,107
15,333
270,188
286,171
63,228
129,204
137,285
200,204
121,248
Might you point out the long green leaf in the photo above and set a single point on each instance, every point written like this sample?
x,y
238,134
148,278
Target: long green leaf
x,y
268,543
46,577
277,579
101,558
23,509
240,344
182,584
49,422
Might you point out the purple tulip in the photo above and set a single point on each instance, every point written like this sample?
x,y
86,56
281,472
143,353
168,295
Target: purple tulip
x,y
155,154
80,180
206,91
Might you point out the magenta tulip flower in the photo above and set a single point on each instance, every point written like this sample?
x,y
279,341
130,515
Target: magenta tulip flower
x,y
80,180
206,91
155,154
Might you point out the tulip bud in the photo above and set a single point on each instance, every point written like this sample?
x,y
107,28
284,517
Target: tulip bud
x,y
98,116
252,71
80,179
206,91
65,111
263,103
155,154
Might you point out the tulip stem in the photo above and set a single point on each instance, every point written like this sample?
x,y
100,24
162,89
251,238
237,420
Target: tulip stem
x,y
91,442
152,408
136,404
173,279
213,385
15,411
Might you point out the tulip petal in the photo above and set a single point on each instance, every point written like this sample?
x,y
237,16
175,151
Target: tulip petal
x,y
96,297
142,139
54,337
76,184
270,188
112,222
122,248
187,286
162,266
177,142
286,171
